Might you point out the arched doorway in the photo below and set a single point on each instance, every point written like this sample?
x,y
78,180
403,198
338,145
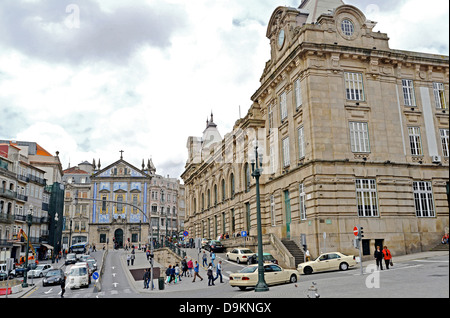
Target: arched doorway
x,y
118,238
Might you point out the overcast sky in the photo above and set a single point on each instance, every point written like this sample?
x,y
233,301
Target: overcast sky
x,y
89,78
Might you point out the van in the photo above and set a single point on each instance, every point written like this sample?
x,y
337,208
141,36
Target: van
x,y
78,276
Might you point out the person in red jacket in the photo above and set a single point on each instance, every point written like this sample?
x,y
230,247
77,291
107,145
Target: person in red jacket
x,y
387,256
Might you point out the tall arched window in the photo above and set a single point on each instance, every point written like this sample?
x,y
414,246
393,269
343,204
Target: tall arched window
x,y
232,187
216,195
247,177
224,194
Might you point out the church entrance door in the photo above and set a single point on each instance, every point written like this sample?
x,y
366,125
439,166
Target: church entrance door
x,y
118,238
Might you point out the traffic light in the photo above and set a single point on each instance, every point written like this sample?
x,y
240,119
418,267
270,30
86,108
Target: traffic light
x,y
360,232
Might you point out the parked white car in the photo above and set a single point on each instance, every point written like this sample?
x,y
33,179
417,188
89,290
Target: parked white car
x,y
240,255
40,270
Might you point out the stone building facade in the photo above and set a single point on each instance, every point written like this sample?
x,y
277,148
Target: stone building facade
x,y
351,131
143,193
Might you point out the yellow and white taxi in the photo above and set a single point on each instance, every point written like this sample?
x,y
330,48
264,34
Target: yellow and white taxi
x,y
273,274
327,262
240,255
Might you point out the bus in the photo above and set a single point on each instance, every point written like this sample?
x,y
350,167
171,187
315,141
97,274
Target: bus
x,y
79,248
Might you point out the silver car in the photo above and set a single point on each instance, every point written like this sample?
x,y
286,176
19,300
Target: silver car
x,y
40,270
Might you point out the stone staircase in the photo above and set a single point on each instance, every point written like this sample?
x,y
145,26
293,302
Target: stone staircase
x,y
295,251
440,247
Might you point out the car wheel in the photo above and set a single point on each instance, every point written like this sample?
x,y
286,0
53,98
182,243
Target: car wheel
x,y
293,278
242,288
41,275
343,266
228,258
238,261
307,270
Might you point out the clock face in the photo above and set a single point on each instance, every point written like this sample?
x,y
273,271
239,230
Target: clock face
x,y
281,38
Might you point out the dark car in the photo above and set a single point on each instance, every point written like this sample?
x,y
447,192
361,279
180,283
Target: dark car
x,y
266,259
71,259
215,246
19,271
53,277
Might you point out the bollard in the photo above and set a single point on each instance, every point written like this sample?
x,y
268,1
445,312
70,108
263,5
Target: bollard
x,y
161,283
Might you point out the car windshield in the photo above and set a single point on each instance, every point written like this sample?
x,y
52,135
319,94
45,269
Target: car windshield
x,y
71,256
78,271
246,252
216,242
250,269
39,267
53,273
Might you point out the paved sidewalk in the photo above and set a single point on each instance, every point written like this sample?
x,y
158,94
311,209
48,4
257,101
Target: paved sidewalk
x,y
183,285
281,291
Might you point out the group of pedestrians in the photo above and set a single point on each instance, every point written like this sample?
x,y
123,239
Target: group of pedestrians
x,y
381,255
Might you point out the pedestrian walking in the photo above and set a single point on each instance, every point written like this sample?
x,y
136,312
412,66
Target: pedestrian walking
x,y
196,272
379,258
213,257
210,275
190,265
63,286
387,257
219,271
177,273
184,267
146,278
128,259
205,259
132,256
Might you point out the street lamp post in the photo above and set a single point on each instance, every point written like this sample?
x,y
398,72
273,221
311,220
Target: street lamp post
x,y
29,223
261,286
54,238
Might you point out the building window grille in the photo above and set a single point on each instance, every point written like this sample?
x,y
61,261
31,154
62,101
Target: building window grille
x,y
359,137
415,141
408,93
366,195
354,86
423,199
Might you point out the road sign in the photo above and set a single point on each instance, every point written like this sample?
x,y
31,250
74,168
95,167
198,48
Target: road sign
x,y
185,233
95,275
243,233
356,231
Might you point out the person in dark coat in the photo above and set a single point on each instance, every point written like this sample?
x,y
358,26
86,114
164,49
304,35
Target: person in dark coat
x,y
63,286
379,258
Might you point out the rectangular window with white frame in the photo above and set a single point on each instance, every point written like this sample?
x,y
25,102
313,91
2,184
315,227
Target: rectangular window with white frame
x,y
359,137
439,95
301,143
415,141
298,94
444,141
302,202
423,199
366,197
286,153
354,87
408,93
283,106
